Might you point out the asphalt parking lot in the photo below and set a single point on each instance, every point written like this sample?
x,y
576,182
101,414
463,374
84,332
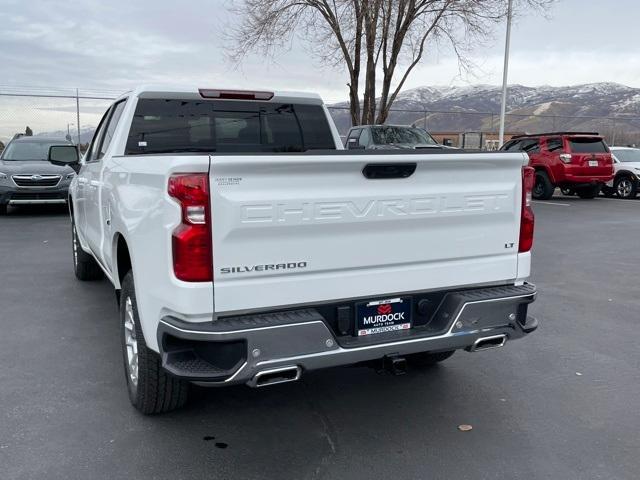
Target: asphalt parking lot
x,y
560,404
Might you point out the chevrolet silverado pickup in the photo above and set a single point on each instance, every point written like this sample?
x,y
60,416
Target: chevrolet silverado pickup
x,y
247,247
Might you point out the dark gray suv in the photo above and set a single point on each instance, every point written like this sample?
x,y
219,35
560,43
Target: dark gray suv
x,y
27,177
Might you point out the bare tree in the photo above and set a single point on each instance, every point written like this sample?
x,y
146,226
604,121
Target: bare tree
x,y
389,36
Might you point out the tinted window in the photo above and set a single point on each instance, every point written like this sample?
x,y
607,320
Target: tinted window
x,y
365,137
355,133
111,128
385,135
511,146
587,145
530,146
97,136
554,144
165,126
28,150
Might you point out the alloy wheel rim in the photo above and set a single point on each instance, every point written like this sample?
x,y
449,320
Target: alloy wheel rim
x,y
131,344
624,188
538,188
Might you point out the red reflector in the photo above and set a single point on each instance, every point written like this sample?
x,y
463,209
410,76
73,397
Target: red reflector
x,y
527,219
191,240
235,94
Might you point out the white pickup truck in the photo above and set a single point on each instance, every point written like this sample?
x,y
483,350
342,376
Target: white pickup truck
x,y
246,246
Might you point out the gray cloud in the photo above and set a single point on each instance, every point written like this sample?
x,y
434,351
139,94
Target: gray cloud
x,y
118,44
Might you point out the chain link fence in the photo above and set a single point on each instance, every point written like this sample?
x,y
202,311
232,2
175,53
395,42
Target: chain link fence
x,y
56,113
480,129
74,114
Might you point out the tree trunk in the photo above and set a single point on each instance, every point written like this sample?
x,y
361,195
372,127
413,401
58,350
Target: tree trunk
x,y
371,15
354,102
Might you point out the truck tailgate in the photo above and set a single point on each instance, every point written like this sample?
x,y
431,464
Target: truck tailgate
x,y
297,229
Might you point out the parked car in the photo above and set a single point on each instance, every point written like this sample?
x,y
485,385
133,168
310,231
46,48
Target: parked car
x,y
626,163
385,137
27,176
577,162
323,257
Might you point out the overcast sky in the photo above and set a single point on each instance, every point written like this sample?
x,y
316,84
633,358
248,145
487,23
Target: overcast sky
x,y
117,44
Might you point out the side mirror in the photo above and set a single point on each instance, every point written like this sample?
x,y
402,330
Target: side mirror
x,y
65,155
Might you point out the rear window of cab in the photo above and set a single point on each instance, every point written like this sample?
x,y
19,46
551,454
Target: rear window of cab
x,y
173,126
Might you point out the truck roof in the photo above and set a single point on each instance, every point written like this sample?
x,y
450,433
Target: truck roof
x,y
181,92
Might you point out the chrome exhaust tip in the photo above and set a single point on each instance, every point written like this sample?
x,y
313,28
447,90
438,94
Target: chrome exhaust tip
x,y
275,376
487,343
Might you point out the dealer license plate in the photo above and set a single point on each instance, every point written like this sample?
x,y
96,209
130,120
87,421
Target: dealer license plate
x,y
380,316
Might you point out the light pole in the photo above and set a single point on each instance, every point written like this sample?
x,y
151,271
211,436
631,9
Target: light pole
x,y
69,131
505,70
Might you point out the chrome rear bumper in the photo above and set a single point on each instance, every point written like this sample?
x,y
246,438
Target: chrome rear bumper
x,y
239,349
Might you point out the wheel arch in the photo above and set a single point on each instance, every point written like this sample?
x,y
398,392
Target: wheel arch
x,y
123,263
545,169
624,173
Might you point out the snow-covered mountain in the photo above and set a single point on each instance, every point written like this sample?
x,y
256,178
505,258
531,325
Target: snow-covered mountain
x,y
86,134
470,108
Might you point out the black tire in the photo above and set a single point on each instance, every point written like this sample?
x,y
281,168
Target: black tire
x,y
588,192
625,187
3,208
151,389
543,188
608,192
427,359
84,265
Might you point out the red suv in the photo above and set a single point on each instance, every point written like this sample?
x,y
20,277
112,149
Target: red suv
x,y
577,162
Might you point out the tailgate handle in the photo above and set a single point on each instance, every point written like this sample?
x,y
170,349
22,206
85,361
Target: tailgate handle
x,y
380,171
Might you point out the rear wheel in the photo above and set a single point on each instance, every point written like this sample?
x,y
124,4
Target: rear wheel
x,y
426,359
3,208
84,265
151,388
625,187
567,191
543,188
588,192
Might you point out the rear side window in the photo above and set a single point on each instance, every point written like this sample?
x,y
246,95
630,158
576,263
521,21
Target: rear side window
x,y
554,144
530,146
587,145
169,126
111,128
511,146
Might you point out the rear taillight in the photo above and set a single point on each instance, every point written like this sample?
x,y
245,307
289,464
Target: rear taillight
x,y
191,240
526,215
565,157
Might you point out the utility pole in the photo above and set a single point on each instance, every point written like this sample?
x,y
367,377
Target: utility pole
x,y
505,70
78,113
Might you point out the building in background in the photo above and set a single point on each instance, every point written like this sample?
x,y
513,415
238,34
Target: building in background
x,y
472,140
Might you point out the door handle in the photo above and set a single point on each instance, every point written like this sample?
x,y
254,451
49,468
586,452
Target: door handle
x,y
381,171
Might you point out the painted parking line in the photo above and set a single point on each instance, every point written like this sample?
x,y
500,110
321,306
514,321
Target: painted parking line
x,y
553,203
616,199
